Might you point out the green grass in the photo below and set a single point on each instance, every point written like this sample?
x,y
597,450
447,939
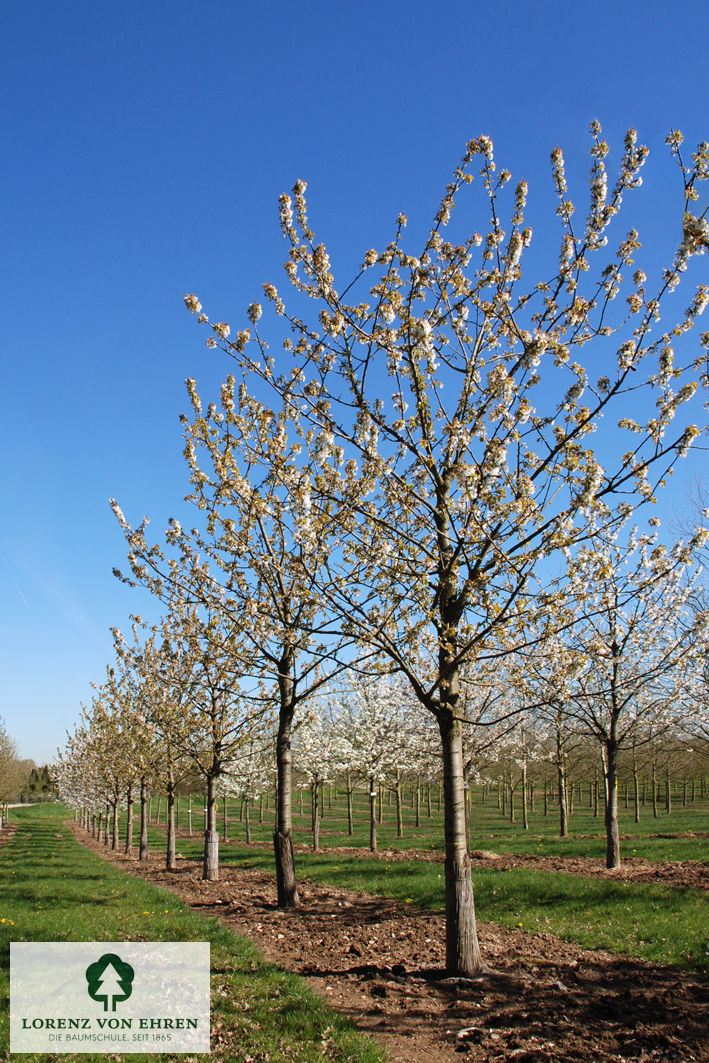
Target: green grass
x,y
669,837
52,889
659,923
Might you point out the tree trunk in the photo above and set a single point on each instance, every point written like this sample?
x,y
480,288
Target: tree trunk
x,y
399,815
315,814
563,811
129,821
372,816
247,812
114,826
668,790
350,824
225,817
170,849
612,832
462,949
636,790
525,818
283,834
210,869
143,849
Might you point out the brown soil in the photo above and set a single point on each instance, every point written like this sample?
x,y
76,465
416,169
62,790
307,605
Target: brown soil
x,y
380,963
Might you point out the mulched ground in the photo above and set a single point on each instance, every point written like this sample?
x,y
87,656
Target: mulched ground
x,y
380,963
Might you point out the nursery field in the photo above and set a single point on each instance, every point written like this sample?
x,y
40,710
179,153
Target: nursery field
x,y
580,958
655,908
584,963
52,889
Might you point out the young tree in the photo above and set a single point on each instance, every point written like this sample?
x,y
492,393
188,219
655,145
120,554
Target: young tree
x,y
636,640
446,419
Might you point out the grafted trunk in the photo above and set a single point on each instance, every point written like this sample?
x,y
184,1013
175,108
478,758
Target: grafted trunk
x,y
210,869
462,948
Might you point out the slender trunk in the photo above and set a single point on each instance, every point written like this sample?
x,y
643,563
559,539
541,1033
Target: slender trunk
x,y
612,832
247,812
143,849
636,790
525,818
655,813
170,849
428,801
418,802
316,813
114,826
260,808
668,791
283,834
350,824
372,815
399,816
210,867
129,820
107,820
462,948
189,813
563,811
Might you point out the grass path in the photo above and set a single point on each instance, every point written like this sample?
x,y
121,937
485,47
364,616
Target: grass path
x,y
53,889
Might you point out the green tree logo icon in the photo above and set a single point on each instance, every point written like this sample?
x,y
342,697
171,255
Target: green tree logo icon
x,y
110,980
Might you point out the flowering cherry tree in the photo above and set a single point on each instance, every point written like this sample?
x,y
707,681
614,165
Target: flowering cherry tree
x,y
446,405
636,642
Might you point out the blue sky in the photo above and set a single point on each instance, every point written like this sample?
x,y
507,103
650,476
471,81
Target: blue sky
x,y
145,148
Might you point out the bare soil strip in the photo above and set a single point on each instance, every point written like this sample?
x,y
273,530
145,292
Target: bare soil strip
x,y
380,962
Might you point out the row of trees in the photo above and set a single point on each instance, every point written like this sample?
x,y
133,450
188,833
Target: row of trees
x,y
434,478
20,779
